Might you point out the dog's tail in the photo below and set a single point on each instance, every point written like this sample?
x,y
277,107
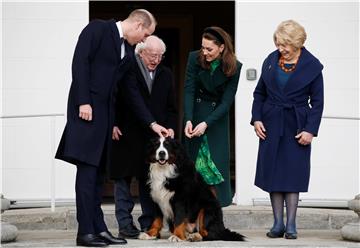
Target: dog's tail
x,y
224,234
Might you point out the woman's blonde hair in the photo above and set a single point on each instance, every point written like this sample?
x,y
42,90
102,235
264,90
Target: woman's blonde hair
x,y
291,33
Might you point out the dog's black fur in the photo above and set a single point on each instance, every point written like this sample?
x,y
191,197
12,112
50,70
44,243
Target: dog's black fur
x,y
190,194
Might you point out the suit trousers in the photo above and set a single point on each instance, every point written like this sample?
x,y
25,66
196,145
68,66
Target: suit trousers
x,y
124,203
88,188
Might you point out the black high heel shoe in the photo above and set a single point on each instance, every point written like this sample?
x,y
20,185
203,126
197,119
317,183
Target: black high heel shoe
x,y
274,234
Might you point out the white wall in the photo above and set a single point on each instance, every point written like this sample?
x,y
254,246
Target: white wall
x,y
1,95
333,36
39,38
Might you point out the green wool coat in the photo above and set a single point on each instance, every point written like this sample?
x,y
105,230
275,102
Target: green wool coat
x,y
208,97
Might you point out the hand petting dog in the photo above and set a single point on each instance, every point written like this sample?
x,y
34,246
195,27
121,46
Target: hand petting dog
x,y
162,131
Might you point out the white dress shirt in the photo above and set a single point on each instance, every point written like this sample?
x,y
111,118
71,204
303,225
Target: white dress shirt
x,y
118,24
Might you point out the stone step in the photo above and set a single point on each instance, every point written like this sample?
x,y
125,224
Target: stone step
x,y
254,239
235,217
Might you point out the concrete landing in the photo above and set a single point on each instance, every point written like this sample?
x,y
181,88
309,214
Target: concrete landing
x,y
255,238
235,217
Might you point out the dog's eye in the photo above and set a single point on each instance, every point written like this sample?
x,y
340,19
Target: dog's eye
x,y
156,143
167,143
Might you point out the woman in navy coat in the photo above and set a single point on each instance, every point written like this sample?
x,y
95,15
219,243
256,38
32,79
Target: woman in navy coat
x,y
286,114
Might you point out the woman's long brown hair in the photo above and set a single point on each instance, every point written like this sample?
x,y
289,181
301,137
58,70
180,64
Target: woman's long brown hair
x,y
227,58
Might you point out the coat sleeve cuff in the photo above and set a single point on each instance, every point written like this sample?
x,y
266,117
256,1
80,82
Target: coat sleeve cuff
x,y
312,131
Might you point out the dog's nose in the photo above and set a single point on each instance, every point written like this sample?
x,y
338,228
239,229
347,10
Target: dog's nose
x,y
162,154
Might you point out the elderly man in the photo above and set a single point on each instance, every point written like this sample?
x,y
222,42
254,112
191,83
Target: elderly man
x,y
146,104
102,57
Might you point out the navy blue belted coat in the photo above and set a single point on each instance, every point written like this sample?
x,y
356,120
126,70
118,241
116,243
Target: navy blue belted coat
x,y
283,165
97,68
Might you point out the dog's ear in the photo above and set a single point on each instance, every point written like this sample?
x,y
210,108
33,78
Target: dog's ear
x,y
152,145
179,149
175,144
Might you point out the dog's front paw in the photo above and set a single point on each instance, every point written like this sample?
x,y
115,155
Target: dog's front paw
x,y
194,237
174,238
145,236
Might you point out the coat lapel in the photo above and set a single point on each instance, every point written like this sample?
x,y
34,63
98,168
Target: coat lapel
x,y
308,68
269,73
158,71
129,55
116,38
141,80
211,82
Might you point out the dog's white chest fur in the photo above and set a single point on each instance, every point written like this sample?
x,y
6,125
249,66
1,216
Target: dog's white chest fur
x,y
159,174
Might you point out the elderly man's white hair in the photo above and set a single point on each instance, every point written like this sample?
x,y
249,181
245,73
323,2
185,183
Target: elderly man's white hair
x,y
142,45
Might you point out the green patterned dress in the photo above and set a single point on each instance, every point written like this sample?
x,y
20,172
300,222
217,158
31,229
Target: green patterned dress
x,y
204,164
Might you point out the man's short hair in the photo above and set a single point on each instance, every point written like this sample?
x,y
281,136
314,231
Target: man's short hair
x,y
144,16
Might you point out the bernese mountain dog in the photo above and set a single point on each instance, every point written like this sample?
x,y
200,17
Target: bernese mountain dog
x,y
183,199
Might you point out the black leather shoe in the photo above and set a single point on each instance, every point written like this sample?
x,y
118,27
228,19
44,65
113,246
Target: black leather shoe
x,y
109,238
291,235
130,231
90,240
275,234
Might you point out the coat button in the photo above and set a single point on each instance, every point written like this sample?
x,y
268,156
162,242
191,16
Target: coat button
x,y
198,100
213,104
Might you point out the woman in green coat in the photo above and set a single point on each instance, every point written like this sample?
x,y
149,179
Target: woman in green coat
x,y
212,77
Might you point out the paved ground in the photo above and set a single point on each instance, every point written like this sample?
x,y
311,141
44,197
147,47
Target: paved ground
x,y
235,217
39,227
256,238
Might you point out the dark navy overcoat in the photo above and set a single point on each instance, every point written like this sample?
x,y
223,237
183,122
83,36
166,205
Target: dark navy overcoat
x,y
136,109
283,165
96,68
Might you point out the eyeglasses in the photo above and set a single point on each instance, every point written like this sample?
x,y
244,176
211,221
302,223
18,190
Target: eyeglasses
x,y
154,56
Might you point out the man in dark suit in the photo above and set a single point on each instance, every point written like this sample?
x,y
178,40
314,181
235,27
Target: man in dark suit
x,y
146,100
103,55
